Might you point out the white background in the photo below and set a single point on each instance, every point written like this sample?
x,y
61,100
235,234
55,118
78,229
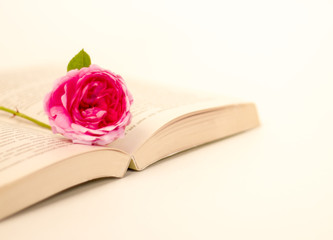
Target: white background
x,y
275,182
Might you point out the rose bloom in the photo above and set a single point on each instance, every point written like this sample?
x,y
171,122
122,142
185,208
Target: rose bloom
x,y
89,106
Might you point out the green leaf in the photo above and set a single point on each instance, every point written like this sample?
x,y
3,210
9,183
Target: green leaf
x,y
82,59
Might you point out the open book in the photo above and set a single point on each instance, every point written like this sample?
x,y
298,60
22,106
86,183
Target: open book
x,y
35,163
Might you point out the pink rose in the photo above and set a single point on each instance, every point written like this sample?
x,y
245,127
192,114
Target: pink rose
x,y
89,106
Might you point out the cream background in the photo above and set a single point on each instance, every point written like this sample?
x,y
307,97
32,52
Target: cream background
x,y
274,182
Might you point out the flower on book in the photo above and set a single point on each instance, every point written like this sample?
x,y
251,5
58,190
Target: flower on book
x,y
89,105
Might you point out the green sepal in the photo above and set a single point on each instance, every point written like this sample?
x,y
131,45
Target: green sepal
x,y
82,59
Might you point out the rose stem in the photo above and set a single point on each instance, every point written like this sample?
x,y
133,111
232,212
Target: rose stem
x,y
16,113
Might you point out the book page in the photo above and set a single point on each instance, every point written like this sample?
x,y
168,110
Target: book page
x,y
19,144
153,105
25,89
24,150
